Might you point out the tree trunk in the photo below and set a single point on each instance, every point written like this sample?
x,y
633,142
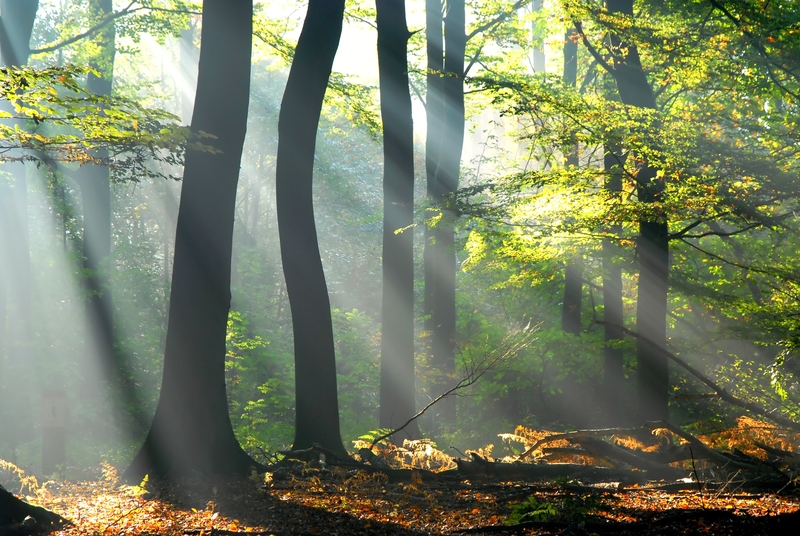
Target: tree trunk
x,y
317,412
191,430
16,25
397,395
614,380
96,200
441,273
573,275
434,114
652,246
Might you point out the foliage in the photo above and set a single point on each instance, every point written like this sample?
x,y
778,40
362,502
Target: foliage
x,y
722,143
68,124
568,506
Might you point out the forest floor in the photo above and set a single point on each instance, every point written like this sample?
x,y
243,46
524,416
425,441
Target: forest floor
x,y
342,502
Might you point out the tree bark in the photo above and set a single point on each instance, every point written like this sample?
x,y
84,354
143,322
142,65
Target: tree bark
x,y
397,395
191,430
652,245
441,273
317,411
614,379
434,115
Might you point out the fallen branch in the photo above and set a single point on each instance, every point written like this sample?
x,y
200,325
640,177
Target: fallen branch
x,y
656,470
791,458
576,434
701,451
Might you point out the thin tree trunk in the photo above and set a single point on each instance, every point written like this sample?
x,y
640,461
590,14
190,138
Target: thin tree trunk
x,y
573,275
95,188
317,406
191,430
653,244
397,395
538,51
434,113
614,380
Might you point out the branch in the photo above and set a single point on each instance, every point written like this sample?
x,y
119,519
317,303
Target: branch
x,y
590,47
773,273
497,20
105,21
721,234
759,48
471,378
721,391
473,60
682,232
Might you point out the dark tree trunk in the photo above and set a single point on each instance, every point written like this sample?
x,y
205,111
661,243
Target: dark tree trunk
x,y
653,243
614,380
317,412
441,272
16,25
397,395
191,430
573,290
573,275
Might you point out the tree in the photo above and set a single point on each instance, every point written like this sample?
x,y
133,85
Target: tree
x,y
317,411
573,276
613,376
94,182
445,163
653,245
16,25
397,396
191,429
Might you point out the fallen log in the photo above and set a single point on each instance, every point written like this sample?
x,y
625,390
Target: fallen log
x,y
721,459
547,471
576,434
656,470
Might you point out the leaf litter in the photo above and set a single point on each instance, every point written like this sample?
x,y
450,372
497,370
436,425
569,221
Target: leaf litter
x,y
301,498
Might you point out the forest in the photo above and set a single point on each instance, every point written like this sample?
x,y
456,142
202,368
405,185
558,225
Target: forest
x,y
399,267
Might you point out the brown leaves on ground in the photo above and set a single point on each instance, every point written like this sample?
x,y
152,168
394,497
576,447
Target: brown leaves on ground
x,y
313,499
337,501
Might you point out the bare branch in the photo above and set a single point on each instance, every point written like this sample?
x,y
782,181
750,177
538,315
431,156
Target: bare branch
x,y
105,21
472,377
